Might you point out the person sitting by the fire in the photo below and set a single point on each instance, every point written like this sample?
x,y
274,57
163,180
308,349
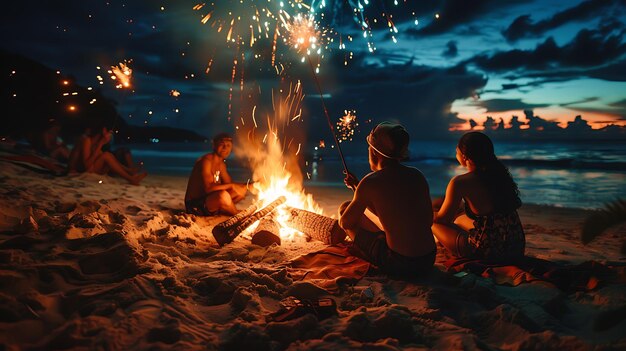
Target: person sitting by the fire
x,y
210,190
395,233
490,228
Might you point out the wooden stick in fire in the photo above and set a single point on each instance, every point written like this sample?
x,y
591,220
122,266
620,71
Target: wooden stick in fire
x,y
267,232
224,236
236,218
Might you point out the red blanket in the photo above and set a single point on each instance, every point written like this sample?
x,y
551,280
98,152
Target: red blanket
x,y
585,276
329,267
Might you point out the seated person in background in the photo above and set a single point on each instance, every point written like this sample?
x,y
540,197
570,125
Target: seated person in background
x,y
398,197
87,156
490,228
124,156
210,189
47,142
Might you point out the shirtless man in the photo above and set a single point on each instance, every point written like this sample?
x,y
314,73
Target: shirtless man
x,y
210,189
394,234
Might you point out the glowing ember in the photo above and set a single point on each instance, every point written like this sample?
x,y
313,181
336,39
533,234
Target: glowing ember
x,y
174,93
346,126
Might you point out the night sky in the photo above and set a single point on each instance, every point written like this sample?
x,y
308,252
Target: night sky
x,y
448,62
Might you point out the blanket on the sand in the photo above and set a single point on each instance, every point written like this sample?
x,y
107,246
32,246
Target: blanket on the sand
x,y
30,159
329,267
581,277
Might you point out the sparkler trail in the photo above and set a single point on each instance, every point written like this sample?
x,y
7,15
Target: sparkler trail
x,y
362,14
243,24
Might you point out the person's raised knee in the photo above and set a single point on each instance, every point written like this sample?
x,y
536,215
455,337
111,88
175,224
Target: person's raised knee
x,y
107,155
343,206
224,197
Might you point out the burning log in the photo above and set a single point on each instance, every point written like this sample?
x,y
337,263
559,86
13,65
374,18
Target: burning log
x,y
267,233
225,235
318,227
223,227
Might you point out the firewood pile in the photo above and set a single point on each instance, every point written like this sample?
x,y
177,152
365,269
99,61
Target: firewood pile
x,y
315,226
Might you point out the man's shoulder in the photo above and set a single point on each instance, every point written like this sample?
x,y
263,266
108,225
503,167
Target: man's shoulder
x,y
414,171
205,160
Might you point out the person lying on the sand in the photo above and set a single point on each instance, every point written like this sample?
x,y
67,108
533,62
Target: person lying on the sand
x,y
490,228
87,156
398,196
210,189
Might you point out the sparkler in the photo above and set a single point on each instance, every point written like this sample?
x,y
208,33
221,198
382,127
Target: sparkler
x,y
347,125
122,73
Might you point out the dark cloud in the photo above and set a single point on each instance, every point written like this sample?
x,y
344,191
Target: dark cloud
x,y
620,108
451,49
537,123
523,26
503,105
588,49
616,109
454,13
620,104
510,86
614,72
420,97
583,101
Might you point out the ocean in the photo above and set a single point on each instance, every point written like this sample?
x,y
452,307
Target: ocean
x,y
566,174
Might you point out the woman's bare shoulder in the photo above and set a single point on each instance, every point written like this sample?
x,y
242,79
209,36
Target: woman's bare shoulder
x,y
465,179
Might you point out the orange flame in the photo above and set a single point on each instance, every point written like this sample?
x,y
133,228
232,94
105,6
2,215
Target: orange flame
x,y
266,153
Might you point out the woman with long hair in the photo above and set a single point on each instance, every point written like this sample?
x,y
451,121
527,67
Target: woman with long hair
x,y
490,228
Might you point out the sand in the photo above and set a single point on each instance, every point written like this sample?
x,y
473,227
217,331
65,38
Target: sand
x,y
90,262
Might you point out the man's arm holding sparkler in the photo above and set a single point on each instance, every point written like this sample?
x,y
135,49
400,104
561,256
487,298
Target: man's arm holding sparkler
x,y
351,217
351,181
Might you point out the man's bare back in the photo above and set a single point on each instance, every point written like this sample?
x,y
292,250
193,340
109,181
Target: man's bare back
x,y
396,236
399,196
